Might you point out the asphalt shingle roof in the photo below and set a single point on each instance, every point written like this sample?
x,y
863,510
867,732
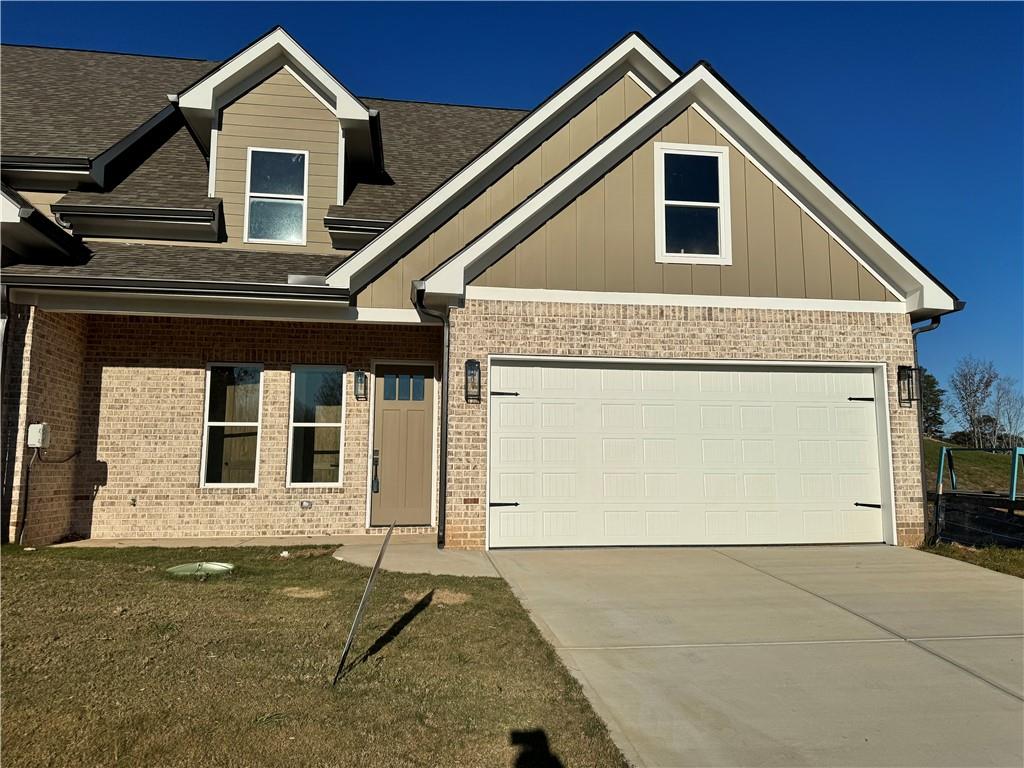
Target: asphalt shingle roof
x,y
424,144
77,104
174,176
184,262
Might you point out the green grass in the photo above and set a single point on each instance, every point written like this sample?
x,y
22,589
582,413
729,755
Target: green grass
x,y
975,470
1000,559
108,660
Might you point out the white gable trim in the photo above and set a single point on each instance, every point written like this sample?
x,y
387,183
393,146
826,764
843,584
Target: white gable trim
x,y
811,214
632,55
272,50
921,292
549,296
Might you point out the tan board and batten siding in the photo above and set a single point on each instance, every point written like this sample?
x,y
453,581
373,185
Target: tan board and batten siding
x,y
279,113
604,240
594,122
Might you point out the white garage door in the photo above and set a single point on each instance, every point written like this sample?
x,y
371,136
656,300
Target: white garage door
x,y
588,455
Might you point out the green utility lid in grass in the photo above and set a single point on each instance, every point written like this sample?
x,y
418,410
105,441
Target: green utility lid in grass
x,y
201,569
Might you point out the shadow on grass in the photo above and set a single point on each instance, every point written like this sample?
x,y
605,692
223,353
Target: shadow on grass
x,y
534,751
395,629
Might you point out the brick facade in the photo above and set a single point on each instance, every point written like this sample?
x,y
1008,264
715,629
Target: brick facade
x,y
483,328
141,393
130,392
42,382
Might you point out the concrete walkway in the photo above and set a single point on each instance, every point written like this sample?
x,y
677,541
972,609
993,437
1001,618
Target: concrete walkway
x,y
786,656
417,554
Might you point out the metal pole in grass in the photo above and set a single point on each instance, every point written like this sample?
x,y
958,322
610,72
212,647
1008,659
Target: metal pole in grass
x,y
362,606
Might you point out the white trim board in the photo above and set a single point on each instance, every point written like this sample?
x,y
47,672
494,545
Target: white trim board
x,y
681,300
212,307
268,52
632,54
701,85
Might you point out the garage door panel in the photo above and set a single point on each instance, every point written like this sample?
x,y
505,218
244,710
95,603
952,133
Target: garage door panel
x,y
605,455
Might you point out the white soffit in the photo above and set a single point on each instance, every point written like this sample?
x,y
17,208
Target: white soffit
x,y
246,68
633,55
754,137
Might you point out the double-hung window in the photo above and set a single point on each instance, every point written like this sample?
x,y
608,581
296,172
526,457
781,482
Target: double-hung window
x,y
692,204
275,196
317,425
231,429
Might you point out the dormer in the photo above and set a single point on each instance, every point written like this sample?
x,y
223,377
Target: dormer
x,y
285,140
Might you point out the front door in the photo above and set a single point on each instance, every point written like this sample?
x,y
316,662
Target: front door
x,y
403,431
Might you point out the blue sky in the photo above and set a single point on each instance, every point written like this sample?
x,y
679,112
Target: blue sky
x,y
914,109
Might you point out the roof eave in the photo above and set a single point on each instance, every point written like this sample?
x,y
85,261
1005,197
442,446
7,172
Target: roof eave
x,y
178,287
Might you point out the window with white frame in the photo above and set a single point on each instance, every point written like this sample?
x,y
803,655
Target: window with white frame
x,y
317,425
231,429
275,196
692,204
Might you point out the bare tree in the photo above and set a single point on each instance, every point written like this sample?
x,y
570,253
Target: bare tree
x,y
1008,412
971,384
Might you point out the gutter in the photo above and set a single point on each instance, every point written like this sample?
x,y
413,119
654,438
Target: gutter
x,y
929,520
45,164
203,215
355,226
418,294
178,287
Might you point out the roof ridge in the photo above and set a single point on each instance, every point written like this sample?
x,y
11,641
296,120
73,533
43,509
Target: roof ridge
x,y
446,104
109,53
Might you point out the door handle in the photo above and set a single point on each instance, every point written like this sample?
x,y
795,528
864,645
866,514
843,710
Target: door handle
x,y
375,482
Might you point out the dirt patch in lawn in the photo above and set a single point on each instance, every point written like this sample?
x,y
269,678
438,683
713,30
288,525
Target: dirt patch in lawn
x,y
439,597
107,660
304,593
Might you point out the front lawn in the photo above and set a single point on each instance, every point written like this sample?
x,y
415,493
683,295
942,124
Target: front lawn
x,y
108,660
1000,559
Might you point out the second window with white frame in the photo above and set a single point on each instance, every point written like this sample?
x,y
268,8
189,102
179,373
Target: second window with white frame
x,y
231,433
692,204
275,196
317,425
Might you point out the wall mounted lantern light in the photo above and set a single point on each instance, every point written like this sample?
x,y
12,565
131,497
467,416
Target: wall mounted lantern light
x,y
472,381
908,385
360,385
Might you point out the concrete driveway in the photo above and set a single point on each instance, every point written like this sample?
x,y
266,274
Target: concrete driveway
x,y
845,655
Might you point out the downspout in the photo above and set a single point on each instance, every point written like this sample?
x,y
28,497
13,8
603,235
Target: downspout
x,y
418,293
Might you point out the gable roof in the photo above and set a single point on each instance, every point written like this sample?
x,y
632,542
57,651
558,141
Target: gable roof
x,y
254,62
424,144
172,175
633,54
51,109
925,296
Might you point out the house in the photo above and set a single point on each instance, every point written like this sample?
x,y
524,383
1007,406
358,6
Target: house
x,y
247,302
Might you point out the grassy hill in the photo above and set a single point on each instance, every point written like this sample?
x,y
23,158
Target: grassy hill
x,y
975,471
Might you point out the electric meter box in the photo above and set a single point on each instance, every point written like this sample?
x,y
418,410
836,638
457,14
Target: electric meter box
x,y
38,435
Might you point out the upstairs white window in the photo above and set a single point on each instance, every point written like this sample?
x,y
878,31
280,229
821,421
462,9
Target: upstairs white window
x,y
275,196
692,204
